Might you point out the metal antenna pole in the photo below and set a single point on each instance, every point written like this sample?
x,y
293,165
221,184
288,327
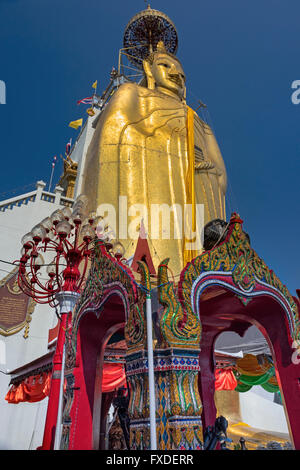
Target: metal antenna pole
x,y
53,166
51,178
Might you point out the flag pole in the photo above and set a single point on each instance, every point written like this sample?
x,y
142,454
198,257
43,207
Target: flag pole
x,y
94,94
68,148
51,177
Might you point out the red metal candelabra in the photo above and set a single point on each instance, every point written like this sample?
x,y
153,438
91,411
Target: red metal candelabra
x,y
64,234
68,234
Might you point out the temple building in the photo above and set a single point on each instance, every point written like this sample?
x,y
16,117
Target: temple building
x,y
157,317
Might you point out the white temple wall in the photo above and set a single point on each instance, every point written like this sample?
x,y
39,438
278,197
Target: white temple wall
x,y
80,150
22,424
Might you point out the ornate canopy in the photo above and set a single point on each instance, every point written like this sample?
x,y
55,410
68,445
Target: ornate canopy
x,y
143,33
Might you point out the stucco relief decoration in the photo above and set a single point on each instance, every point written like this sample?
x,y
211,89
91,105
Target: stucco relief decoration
x,y
179,325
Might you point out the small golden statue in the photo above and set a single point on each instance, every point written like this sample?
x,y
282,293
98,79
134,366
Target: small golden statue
x,y
68,179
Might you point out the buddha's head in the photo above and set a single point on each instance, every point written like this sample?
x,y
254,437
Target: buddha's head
x,y
164,72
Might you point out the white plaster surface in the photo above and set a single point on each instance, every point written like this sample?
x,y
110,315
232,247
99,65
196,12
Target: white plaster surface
x,y
22,424
259,411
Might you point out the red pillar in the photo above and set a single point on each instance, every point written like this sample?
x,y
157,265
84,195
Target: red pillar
x,y
206,381
275,328
288,377
51,417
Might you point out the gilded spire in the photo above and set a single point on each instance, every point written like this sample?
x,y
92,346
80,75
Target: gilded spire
x,y
161,47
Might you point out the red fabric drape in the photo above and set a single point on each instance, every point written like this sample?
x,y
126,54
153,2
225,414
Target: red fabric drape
x,y
32,389
37,387
113,377
225,379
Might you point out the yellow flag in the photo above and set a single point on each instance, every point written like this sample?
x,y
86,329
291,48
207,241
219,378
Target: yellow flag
x,y
76,124
95,84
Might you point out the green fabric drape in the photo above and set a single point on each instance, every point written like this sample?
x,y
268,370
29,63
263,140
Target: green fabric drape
x,y
246,382
256,380
242,388
270,388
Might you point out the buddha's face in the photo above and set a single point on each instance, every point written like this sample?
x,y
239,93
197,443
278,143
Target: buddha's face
x,y
168,74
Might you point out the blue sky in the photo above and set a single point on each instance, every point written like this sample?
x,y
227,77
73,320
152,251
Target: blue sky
x,y
240,58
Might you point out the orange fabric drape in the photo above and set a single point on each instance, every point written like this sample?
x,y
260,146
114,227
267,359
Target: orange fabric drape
x,y
248,365
113,377
225,379
273,381
32,389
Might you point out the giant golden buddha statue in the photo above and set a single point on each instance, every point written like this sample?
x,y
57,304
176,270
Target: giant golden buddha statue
x,y
155,152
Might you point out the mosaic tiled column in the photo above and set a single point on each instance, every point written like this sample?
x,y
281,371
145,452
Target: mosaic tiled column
x,y
178,401
137,368
137,378
178,404
176,365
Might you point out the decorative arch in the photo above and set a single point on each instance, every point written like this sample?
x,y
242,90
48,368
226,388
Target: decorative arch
x,y
225,280
228,288
234,265
110,301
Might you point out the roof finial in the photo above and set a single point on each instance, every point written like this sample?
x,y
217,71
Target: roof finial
x,y
161,47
